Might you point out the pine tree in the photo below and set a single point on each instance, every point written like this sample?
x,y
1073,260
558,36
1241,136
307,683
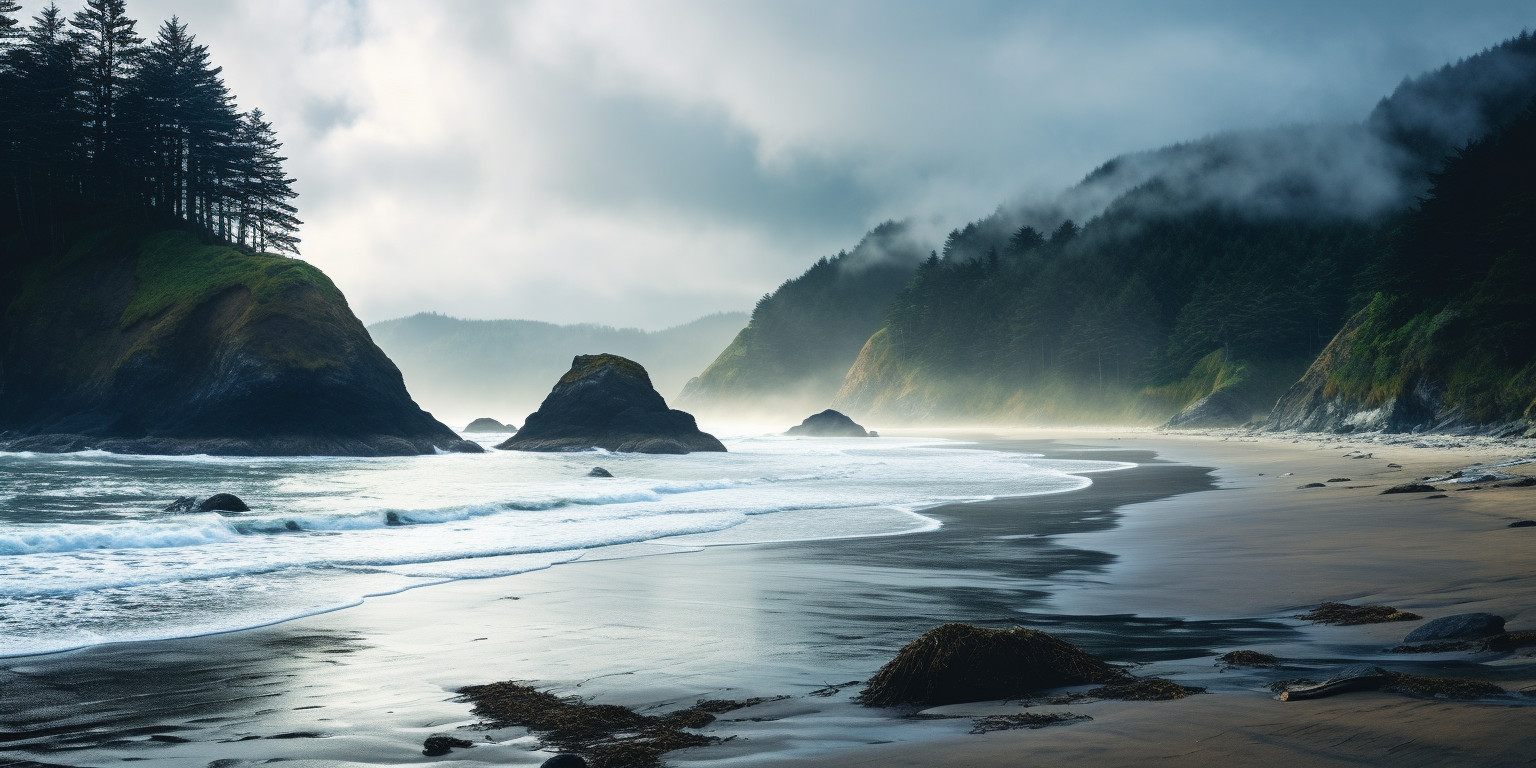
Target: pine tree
x,y
268,219
110,48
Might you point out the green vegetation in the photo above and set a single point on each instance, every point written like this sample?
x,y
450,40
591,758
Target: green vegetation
x,y
803,336
1452,303
1227,264
176,273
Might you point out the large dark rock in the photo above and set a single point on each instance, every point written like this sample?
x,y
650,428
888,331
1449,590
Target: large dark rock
x,y
566,760
828,423
607,401
489,425
957,663
223,502
154,342
1462,626
439,745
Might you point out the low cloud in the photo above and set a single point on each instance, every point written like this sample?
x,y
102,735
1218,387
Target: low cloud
x,y
643,164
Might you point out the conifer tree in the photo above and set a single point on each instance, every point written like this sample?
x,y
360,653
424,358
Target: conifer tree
x,y
110,48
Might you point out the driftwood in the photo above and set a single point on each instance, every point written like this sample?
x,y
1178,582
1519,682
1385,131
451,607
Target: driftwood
x,y
1356,678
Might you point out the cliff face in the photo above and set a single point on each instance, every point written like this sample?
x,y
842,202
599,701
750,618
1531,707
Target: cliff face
x,y
157,343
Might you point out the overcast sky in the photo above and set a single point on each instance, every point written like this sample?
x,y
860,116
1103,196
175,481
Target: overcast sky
x,y
645,163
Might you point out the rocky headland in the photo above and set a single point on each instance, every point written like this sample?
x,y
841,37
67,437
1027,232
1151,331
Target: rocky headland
x,y
158,343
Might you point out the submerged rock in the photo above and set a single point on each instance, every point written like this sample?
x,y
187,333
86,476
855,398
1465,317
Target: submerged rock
x,y
606,401
1462,626
828,423
182,504
1411,488
223,502
958,663
488,425
599,472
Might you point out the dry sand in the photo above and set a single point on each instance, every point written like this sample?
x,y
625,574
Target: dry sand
x,y
1165,565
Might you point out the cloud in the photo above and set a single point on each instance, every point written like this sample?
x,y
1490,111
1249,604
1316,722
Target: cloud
x,y
643,164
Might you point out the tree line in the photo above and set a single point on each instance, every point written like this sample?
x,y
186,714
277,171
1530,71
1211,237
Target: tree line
x,y
92,116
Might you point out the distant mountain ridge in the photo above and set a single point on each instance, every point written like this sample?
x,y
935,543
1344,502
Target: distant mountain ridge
x,y
1224,264
504,368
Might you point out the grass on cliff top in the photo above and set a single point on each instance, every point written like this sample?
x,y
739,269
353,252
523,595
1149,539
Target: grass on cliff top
x,y
176,273
588,365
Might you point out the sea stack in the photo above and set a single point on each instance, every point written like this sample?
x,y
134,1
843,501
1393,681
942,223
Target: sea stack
x,y
828,423
487,424
606,401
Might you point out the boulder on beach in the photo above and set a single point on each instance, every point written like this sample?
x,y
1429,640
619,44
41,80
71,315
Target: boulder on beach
x,y
828,423
958,663
485,424
606,401
1462,626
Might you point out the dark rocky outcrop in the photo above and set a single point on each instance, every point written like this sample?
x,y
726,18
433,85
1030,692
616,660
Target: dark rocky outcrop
x,y
484,424
606,401
1462,626
1522,524
223,502
154,342
958,663
828,423
599,472
566,760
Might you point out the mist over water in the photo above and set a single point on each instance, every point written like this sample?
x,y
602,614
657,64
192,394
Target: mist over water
x,y
87,556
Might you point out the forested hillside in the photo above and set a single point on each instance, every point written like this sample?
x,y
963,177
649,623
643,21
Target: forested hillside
x,y
1225,265
1448,340
803,336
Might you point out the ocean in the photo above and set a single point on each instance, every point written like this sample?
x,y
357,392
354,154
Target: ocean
x,y
89,556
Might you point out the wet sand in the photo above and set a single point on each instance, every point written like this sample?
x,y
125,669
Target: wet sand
x,y
1191,554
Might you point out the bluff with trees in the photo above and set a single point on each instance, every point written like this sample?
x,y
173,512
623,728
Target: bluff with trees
x,y
145,304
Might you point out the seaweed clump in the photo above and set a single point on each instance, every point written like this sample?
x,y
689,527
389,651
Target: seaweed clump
x,y
1441,687
1147,689
1345,614
1024,720
957,663
609,736
1248,659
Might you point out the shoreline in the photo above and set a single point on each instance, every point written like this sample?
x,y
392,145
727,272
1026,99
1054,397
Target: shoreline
x,y
728,622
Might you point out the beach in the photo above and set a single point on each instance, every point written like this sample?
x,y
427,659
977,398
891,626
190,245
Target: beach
x,y
1207,545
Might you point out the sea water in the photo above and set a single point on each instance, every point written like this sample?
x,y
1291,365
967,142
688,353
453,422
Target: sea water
x,y
88,555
